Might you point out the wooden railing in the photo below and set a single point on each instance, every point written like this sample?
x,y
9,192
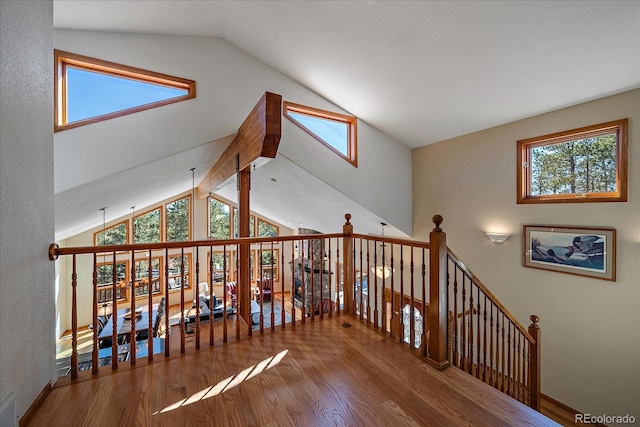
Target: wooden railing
x,y
487,341
418,294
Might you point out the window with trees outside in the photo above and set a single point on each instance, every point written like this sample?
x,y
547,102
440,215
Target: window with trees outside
x,y
178,220
252,224
218,267
105,281
338,132
266,229
146,227
219,219
581,165
142,282
175,264
114,235
268,267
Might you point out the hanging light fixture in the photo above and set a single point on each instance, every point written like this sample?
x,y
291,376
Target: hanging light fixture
x,y
382,270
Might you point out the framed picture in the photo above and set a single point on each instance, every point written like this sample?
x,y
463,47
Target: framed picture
x,y
589,252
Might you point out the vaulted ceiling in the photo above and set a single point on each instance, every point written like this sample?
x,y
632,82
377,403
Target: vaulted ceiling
x,y
420,72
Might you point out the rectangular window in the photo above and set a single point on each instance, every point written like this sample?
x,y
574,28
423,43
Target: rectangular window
x,y
581,165
338,132
142,282
252,222
146,227
218,267
105,281
178,214
175,271
268,267
266,229
115,235
219,219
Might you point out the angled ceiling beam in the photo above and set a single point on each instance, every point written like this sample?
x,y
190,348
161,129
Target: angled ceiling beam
x,y
258,136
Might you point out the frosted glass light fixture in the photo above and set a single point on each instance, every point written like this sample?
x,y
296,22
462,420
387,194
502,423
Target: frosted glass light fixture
x,y
498,237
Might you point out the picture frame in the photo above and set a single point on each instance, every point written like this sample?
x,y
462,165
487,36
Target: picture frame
x,y
581,251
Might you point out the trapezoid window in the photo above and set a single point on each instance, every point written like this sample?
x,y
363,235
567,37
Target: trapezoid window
x,y
89,90
337,131
588,164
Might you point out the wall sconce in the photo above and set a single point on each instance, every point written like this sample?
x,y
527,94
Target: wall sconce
x,y
498,237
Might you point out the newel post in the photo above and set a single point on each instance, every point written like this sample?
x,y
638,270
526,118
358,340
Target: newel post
x,y
534,364
437,348
347,266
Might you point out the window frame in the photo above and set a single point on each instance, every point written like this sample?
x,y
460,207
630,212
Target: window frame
x,y
619,127
160,224
62,60
166,218
126,226
187,274
350,121
229,216
124,292
160,278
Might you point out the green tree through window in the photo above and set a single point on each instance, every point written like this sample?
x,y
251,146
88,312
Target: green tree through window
x,y
146,227
219,226
178,220
116,235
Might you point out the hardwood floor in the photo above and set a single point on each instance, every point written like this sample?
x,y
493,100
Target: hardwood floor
x,y
314,374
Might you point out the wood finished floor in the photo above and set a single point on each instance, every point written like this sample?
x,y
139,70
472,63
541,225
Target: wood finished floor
x,y
316,374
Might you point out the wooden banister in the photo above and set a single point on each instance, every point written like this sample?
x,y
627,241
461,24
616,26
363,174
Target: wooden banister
x,y
348,261
437,348
534,364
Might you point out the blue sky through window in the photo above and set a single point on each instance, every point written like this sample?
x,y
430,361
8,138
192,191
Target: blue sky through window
x,y
332,132
91,94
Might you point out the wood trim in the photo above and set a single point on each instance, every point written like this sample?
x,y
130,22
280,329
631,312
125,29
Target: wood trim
x,y
524,179
166,222
565,407
351,121
62,59
26,418
160,222
126,222
258,136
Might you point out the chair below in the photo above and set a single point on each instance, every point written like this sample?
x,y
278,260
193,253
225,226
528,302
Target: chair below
x,y
263,289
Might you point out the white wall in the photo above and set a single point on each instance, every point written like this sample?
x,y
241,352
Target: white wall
x,y
590,328
26,200
229,83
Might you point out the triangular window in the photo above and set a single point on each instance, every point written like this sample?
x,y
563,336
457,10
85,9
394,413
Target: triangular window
x,y
89,90
336,131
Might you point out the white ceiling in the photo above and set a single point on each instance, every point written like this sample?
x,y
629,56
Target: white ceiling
x,y
419,71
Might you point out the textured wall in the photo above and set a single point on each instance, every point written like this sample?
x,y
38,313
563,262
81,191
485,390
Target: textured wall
x,y
590,334
26,199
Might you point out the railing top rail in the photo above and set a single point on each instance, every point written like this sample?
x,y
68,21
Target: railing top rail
x,y
394,240
487,292
55,250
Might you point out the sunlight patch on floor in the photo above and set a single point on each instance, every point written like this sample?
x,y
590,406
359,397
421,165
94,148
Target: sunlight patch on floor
x,y
227,383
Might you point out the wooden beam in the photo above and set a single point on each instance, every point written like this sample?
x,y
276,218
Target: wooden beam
x,y
258,136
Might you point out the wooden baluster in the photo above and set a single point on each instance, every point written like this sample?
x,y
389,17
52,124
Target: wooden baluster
x,y
525,371
321,265
114,312
211,303
312,304
283,310
225,334
456,360
376,312
339,278
386,317
94,315
151,316
197,299
426,318
471,333
74,319
361,306
392,286
484,340
509,359
182,318
534,364
503,387
463,325
478,349
261,290
402,300
132,333
518,392
368,273
331,293
293,284
491,344
354,308
273,288
412,327
239,300
303,309
166,311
